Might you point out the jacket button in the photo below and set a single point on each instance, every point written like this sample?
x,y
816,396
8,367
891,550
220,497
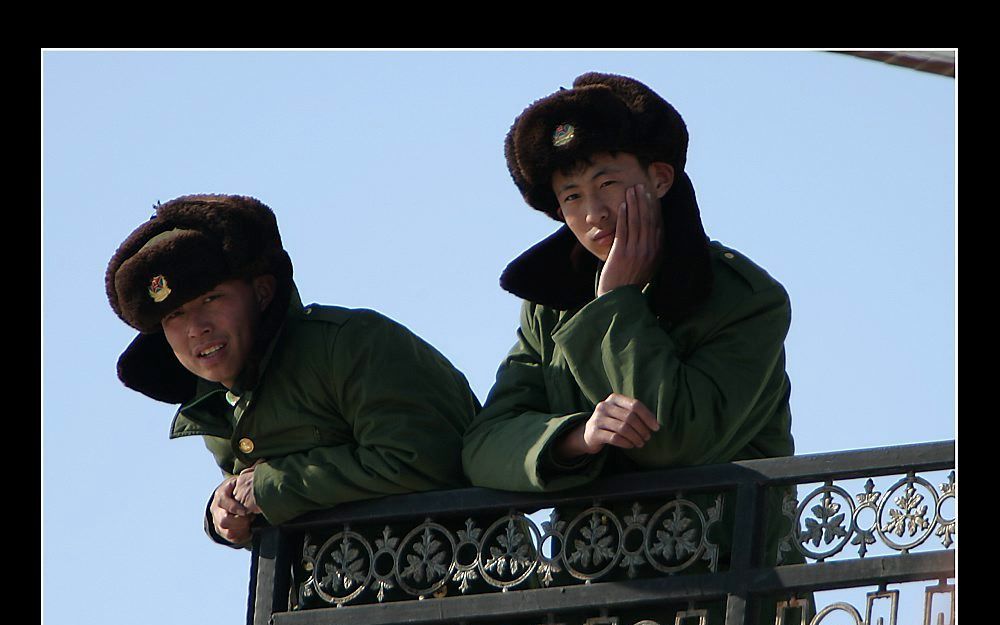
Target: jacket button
x,y
246,445
729,255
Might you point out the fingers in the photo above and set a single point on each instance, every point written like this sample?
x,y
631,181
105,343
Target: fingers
x,y
620,421
225,498
648,215
235,529
621,227
243,491
636,218
635,406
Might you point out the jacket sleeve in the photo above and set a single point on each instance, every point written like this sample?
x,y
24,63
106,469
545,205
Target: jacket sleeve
x,y
407,407
711,401
507,446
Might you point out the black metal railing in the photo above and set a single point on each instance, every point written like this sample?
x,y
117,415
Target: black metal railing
x,y
739,543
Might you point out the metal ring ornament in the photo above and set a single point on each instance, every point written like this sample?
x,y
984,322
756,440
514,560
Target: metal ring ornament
x,y
343,537
500,562
946,527
425,561
467,571
799,542
909,480
864,536
596,547
696,553
547,565
384,581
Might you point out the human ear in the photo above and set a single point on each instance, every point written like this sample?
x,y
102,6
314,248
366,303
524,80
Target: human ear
x,y
263,288
662,176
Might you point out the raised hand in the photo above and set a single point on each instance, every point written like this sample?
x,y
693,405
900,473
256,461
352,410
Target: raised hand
x,y
635,252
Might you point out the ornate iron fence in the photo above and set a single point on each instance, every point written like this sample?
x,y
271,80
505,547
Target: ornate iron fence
x,y
745,542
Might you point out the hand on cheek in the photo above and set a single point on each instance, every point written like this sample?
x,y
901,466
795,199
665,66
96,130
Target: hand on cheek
x,y
635,252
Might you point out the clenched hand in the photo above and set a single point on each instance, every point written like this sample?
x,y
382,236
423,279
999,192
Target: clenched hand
x,y
619,421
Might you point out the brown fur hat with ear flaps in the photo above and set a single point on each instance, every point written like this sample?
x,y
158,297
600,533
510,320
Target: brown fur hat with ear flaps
x,y
189,246
601,113
615,114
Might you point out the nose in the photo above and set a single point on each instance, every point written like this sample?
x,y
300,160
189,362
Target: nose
x,y
598,210
198,324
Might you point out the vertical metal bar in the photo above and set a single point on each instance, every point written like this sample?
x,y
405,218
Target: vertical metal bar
x,y
270,576
746,534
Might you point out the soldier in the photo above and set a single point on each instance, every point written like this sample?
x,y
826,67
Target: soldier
x,y
303,408
642,344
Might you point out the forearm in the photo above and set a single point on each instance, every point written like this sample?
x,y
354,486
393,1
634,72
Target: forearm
x,y
324,477
508,445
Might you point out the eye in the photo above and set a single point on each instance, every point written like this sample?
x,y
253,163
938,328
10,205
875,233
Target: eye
x,y
571,197
608,183
172,315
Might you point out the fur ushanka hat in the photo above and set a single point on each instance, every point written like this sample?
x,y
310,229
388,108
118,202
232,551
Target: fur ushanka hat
x,y
604,113
189,246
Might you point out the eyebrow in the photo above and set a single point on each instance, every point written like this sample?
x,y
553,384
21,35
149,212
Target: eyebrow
x,y
607,169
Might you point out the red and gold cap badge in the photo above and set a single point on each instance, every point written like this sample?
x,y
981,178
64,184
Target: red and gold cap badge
x,y
158,289
563,134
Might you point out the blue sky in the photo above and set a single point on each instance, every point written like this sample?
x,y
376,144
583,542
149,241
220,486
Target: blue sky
x,y
386,172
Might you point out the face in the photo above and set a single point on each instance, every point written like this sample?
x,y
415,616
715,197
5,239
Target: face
x,y
214,334
589,197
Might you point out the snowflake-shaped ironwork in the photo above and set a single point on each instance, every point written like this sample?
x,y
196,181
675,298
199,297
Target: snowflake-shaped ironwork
x,y
308,553
830,525
463,578
465,573
870,496
678,540
868,499
429,561
387,542
632,560
910,517
345,571
946,529
789,506
636,516
596,547
515,552
555,525
471,533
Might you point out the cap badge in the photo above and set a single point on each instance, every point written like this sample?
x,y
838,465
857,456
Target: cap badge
x,y
563,134
158,289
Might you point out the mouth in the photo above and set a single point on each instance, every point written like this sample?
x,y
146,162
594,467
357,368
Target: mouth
x,y
211,349
602,235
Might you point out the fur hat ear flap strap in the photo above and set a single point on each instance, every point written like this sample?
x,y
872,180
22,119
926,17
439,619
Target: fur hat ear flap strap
x,y
556,272
149,366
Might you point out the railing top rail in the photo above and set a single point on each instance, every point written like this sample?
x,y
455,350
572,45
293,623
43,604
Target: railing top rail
x,y
793,469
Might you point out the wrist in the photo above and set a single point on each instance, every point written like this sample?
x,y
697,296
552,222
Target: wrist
x,y
572,445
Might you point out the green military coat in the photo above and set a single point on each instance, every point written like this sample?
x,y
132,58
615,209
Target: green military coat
x,y
349,405
715,381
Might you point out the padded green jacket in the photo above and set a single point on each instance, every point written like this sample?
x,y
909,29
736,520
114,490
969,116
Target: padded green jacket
x,y
349,405
715,381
